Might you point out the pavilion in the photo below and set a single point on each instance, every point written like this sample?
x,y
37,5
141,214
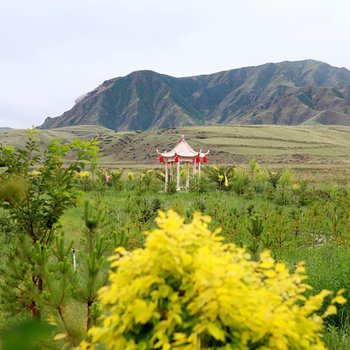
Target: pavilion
x,y
182,153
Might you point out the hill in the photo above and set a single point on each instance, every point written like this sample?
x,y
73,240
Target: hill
x,y
315,151
287,93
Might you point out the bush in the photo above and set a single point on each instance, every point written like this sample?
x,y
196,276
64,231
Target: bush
x,y
221,175
188,290
328,267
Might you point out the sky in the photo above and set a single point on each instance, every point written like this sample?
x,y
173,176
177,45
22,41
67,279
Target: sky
x,y
54,51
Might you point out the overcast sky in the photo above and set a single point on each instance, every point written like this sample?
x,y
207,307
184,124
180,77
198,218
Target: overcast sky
x,y
53,51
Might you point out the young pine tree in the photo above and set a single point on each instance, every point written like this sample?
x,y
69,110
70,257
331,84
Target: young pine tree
x,y
35,190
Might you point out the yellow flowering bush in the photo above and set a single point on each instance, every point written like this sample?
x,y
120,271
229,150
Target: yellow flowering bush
x,y
35,173
296,187
188,290
273,178
113,178
82,175
116,173
146,180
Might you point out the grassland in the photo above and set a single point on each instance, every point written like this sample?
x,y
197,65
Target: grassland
x,y
320,153
299,222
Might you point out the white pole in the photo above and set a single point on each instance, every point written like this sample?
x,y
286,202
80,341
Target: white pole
x,y
199,164
187,177
178,176
74,259
166,176
194,167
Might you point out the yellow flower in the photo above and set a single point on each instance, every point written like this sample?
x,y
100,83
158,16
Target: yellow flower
x,y
296,187
116,173
35,173
131,176
82,175
187,285
226,181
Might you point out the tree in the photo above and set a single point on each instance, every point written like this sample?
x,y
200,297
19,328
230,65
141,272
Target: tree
x,y
36,189
188,290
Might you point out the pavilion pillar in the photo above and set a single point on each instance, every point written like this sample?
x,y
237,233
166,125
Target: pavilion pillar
x,y
187,177
178,176
199,164
166,176
194,167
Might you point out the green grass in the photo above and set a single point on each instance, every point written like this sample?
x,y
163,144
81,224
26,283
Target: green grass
x,y
326,265
319,153
330,144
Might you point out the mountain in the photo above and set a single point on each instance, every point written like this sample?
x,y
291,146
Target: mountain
x,y
286,93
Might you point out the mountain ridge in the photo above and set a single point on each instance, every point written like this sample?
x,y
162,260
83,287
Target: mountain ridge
x,y
286,93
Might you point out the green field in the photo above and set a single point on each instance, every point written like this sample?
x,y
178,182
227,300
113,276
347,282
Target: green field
x,y
297,190
319,153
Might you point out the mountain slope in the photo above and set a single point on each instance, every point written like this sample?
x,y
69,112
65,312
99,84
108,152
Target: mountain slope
x,y
288,93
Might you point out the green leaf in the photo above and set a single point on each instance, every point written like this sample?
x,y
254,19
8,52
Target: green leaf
x,y
216,331
60,336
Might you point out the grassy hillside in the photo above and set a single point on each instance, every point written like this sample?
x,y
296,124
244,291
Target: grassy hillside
x,y
316,151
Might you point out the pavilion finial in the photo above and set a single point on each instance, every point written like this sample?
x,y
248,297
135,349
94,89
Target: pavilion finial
x,y
182,136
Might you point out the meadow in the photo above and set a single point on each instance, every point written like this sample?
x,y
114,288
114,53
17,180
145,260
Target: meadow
x,y
287,191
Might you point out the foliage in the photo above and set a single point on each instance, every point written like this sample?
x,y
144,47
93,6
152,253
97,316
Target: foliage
x,y
113,178
336,340
37,202
256,230
299,223
29,335
221,175
199,184
328,266
146,180
188,290
89,275
240,180
274,177
35,190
